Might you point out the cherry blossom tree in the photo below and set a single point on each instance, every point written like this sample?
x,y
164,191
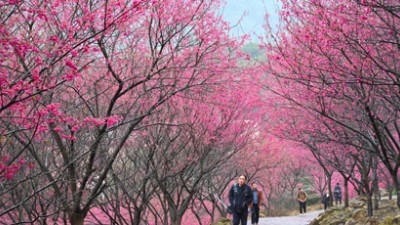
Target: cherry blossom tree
x,y
81,79
340,57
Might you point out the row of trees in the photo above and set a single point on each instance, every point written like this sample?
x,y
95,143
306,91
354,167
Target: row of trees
x,y
121,112
334,65
143,112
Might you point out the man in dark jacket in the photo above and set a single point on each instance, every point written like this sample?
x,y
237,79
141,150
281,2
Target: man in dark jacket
x,y
240,197
337,192
326,200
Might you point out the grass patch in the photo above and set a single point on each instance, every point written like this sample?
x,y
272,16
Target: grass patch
x,y
387,221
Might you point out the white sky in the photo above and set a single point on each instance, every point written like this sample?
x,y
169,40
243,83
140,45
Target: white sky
x,y
253,12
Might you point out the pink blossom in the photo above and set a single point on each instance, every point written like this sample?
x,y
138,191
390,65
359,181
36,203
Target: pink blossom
x,y
58,129
69,137
14,167
9,176
70,64
112,120
69,76
6,158
75,128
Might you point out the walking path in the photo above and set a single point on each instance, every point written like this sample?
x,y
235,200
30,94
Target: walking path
x,y
301,219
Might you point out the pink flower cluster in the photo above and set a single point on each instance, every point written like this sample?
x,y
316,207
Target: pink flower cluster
x,y
7,172
110,121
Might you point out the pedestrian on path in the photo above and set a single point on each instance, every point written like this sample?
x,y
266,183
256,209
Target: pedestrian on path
x,y
337,192
255,206
326,200
302,199
240,197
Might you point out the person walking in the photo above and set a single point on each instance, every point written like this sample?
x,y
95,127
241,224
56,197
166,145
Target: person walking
x,y
255,206
240,197
302,199
337,192
326,200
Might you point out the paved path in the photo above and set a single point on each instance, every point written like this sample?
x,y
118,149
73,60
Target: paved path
x,y
301,219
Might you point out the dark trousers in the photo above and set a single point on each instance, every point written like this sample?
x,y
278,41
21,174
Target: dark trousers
x,y
240,218
326,205
338,200
255,213
302,207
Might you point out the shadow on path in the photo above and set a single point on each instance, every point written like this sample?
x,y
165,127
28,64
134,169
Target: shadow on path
x,y
301,219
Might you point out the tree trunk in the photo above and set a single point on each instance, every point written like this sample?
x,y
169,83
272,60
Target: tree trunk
x,y
397,186
176,218
346,193
375,187
137,216
376,198
389,189
329,181
370,210
77,218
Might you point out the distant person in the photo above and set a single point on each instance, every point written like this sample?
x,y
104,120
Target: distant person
x,y
255,206
326,200
240,198
302,198
337,193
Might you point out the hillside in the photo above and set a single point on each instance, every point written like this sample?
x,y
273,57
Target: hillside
x,y
356,214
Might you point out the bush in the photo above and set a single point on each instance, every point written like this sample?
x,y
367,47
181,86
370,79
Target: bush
x,y
387,221
312,200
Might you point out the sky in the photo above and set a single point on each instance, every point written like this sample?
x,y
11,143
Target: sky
x,y
253,12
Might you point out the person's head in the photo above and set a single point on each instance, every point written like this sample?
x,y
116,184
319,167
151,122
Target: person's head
x,y
254,185
337,184
327,191
242,180
299,188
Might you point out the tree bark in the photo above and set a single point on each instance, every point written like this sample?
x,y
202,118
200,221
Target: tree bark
x,y
176,219
77,218
329,181
397,186
346,193
137,215
370,209
375,187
